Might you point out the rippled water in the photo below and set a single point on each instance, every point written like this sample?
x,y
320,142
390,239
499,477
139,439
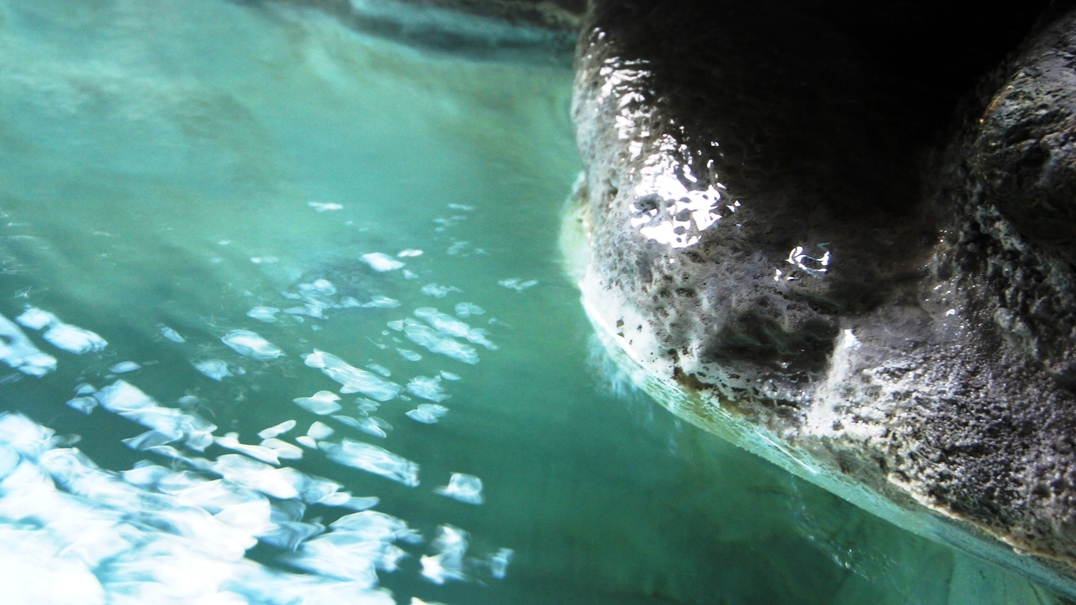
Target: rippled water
x,y
285,322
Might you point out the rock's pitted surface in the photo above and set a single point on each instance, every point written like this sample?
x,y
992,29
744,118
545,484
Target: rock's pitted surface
x,y
785,222
1022,193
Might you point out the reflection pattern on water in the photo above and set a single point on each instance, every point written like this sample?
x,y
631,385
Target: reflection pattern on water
x,y
72,339
353,379
448,563
78,533
266,314
277,430
427,413
321,403
18,352
518,284
185,533
217,369
465,488
372,459
125,367
171,424
200,516
251,344
450,326
381,262
171,334
437,342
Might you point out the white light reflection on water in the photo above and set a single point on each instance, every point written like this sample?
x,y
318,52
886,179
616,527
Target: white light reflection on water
x,y
353,379
89,535
61,335
320,403
251,344
17,351
463,487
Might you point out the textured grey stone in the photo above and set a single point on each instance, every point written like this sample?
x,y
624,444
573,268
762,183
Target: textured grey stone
x,y
779,226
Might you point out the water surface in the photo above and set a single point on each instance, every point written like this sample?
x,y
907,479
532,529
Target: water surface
x,y
222,217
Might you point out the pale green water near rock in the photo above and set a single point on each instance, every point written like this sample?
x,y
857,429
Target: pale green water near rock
x,y
167,167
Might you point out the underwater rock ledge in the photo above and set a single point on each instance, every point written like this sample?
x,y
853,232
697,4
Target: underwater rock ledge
x,y
542,30
788,239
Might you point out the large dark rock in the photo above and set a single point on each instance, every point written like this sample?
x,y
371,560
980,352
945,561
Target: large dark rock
x,y
1021,189
808,236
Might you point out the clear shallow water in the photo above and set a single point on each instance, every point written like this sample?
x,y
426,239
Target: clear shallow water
x,y
231,199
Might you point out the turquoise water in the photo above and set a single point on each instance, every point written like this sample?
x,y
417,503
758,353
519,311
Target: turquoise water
x,y
222,217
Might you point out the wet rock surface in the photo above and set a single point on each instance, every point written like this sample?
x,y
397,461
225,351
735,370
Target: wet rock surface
x,y
807,215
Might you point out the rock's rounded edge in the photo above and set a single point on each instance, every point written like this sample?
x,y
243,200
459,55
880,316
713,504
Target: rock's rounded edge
x,y
935,480
881,499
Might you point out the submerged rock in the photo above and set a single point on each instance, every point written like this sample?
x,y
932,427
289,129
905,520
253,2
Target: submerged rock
x,y
478,28
787,248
